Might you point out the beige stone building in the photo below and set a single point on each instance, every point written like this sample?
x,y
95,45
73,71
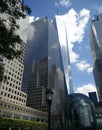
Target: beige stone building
x,y
12,99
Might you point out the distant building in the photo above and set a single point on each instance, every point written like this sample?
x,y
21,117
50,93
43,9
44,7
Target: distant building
x,y
96,47
93,96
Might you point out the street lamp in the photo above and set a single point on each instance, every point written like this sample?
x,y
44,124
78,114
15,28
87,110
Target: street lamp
x,y
49,94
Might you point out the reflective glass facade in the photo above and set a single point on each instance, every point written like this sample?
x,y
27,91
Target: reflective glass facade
x,y
79,113
46,66
63,41
96,47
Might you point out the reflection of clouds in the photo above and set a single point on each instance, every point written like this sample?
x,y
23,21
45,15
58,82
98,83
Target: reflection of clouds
x,y
26,31
54,46
49,57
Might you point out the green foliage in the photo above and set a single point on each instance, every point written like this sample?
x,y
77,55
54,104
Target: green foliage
x,y
10,12
1,72
24,124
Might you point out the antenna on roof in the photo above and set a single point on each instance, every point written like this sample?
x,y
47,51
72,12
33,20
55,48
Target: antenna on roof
x,y
57,10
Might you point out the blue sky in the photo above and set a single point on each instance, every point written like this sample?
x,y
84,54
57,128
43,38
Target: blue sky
x,y
82,12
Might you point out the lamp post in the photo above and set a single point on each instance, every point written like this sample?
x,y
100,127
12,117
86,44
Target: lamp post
x,y
49,94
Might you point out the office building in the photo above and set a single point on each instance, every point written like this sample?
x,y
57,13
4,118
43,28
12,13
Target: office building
x,y
96,47
47,66
11,87
12,99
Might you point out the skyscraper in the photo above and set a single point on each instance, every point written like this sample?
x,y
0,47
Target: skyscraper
x,y
96,47
47,65
11,88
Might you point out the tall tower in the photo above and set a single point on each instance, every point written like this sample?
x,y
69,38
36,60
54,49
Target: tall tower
x,y
96,47
10,89
61,26
50,57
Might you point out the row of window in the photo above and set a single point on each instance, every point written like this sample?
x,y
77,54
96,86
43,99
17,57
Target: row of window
x,y
13,85
21,109
15,63
16,92
13,97
15,76
17,116
16,68
14,72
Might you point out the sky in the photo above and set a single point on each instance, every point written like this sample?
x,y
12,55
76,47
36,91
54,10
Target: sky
x,y
79,14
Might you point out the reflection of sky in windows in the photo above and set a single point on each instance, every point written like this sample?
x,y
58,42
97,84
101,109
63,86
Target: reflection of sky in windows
x,y
63,41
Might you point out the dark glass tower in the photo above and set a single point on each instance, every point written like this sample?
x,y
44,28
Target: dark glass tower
x,y
46,66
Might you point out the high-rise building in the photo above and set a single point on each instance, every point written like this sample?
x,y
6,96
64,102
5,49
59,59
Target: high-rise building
x,y
47,66
96,47
12,99
11,87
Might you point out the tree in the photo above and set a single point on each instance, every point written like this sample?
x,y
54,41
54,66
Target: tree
x,y
10,12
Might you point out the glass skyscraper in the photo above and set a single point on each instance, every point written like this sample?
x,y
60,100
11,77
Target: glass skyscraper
x,y
47,65
96,47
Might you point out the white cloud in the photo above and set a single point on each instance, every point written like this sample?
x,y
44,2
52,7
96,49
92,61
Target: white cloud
x,y
31,19
37,18
85,89
73,56
65,3
84,66
89,70
75,24
26,30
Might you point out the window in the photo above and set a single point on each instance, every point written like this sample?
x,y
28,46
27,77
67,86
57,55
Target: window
x,y
9,73
9,89
10,84
11,96
1,92
5,94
